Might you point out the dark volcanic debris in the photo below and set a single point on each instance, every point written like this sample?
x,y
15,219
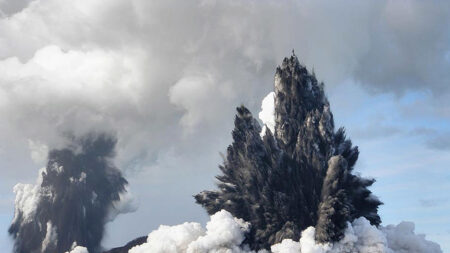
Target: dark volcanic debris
x,y
298,176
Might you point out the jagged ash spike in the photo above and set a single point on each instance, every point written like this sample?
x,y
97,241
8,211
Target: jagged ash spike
x,y
363,202
296,177
298,98
71,202
303,125
245,175
334,209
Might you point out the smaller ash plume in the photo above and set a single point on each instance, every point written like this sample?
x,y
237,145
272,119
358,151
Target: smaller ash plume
x,y
76,194
295,171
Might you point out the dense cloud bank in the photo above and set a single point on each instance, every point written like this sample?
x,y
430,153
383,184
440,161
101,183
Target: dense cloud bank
x,y
109,64
294,173
75,195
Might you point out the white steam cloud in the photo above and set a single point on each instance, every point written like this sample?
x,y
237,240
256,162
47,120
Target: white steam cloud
x,y
362,237
27,198
225,234
267,113
78,249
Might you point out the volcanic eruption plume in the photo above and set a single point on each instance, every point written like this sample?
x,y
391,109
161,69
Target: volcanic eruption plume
x,y
288,187
296,171
76,194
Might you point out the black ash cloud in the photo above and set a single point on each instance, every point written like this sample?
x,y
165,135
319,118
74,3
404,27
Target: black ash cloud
x,y
298,174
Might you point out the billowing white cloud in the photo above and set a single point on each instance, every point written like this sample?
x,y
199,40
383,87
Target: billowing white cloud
x,y
27,198
223,233
226,234
78,249
362,237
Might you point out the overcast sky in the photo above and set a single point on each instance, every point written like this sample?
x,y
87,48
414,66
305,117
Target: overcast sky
x,y
165,77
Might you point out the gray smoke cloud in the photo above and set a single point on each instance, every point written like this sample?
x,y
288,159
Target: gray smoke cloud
x,y
137,71
76,194
225,233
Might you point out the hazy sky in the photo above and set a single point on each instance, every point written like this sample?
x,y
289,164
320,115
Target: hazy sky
x,y
165,77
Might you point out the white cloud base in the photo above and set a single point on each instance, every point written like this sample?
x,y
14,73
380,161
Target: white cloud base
x,y
225,234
